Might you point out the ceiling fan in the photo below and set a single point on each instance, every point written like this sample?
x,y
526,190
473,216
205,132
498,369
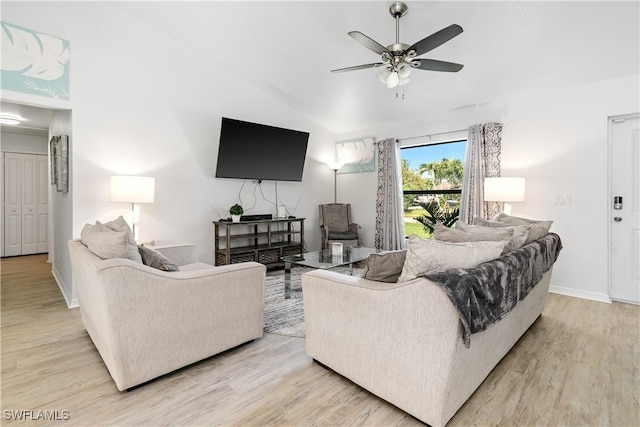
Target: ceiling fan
x,y
400,58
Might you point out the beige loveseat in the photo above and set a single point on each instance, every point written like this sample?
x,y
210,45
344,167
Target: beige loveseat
x,y
404,341
146,322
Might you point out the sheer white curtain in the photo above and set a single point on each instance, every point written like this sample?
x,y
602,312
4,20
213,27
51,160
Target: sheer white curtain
x,y
483,160
389,208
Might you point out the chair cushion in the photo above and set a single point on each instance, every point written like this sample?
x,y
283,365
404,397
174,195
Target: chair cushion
x,y
342,235
155,259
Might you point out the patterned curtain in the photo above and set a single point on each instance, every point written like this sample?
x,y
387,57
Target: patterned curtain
x,y
389,207
483,160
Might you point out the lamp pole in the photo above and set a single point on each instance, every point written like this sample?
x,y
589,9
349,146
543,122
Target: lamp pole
x,y
335,166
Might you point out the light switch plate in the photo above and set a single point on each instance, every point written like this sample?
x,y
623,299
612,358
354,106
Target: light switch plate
x,y
562,200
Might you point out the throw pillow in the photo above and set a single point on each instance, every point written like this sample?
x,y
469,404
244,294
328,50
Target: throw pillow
x,y
518,233
119,225
385,266
424,255
155,259
110,244
537,229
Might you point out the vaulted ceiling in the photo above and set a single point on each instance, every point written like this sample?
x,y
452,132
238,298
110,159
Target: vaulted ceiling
x,y
508,48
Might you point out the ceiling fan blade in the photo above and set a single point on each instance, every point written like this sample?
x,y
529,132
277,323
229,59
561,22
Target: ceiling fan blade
x,y
435,65
436,39
367,42
358,67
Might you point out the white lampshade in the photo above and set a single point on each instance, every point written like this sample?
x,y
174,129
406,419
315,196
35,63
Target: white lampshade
x,y
133,189
335,165
504,189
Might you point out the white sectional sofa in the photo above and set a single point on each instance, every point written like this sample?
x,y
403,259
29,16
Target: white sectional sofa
x,y
404,341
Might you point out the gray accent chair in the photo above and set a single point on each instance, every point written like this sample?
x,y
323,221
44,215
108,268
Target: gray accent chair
x,y
336,225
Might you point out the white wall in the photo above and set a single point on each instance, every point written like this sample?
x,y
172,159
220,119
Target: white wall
x,y
143,105
558,141
61,215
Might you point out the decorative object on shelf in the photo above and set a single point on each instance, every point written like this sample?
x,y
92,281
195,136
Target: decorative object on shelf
x,y
358,155
236,211
134,190
335,167
504,189
59,154
398,59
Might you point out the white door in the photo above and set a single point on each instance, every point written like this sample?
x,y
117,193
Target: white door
x,y
624,209
43,204
29,204
13,204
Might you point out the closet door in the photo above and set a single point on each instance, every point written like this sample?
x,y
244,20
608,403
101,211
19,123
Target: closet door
x,y
29,204
12,204
43,204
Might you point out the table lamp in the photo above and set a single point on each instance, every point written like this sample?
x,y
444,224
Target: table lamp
x,y
504,189
134,190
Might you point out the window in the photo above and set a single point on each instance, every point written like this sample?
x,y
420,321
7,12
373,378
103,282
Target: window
x,y
432,184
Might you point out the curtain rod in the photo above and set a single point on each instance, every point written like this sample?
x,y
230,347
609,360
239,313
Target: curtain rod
x,y
430,135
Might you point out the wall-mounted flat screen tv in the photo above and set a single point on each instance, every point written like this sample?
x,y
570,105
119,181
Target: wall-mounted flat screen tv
x,y
254,151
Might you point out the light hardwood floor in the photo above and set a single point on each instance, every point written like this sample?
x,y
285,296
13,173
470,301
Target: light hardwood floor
x,y
577,365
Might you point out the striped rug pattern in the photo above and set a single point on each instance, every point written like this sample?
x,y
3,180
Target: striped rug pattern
x,y
286,316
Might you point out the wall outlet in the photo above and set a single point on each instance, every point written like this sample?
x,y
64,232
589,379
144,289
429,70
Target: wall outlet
x,y
562,200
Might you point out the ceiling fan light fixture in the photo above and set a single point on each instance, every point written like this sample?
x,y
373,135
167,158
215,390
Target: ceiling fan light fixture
x,y
384,75
404,70
393,80
404,81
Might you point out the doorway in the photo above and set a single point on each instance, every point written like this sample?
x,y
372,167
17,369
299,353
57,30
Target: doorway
x,y
624,208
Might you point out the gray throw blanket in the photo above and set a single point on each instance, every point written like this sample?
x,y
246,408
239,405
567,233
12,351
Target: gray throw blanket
x,y
484,294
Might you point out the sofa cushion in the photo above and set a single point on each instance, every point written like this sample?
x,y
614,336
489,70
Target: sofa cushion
x,y
424,255
155,259
537,229
97,238
385,266
518,234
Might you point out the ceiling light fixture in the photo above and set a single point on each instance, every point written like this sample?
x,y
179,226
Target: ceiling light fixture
x,y
10,119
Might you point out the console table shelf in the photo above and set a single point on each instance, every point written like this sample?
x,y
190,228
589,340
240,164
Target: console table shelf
x,y
263,241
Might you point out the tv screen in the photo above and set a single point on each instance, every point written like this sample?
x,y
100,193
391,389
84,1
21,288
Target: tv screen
x,y
254,151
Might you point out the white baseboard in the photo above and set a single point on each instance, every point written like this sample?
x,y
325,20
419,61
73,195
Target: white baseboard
x,y
71,302
577,293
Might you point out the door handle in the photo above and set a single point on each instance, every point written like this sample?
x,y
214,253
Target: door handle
x,y
617,218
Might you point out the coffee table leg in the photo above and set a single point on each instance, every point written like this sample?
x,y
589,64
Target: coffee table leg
x,y
351,269
287,280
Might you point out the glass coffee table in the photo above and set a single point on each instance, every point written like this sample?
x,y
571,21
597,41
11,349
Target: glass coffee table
x,y
323,260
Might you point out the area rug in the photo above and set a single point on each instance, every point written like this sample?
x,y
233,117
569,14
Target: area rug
x,y
286,316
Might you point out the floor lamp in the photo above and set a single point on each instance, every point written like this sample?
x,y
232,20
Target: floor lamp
x,y
134,190
335,166
504,189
